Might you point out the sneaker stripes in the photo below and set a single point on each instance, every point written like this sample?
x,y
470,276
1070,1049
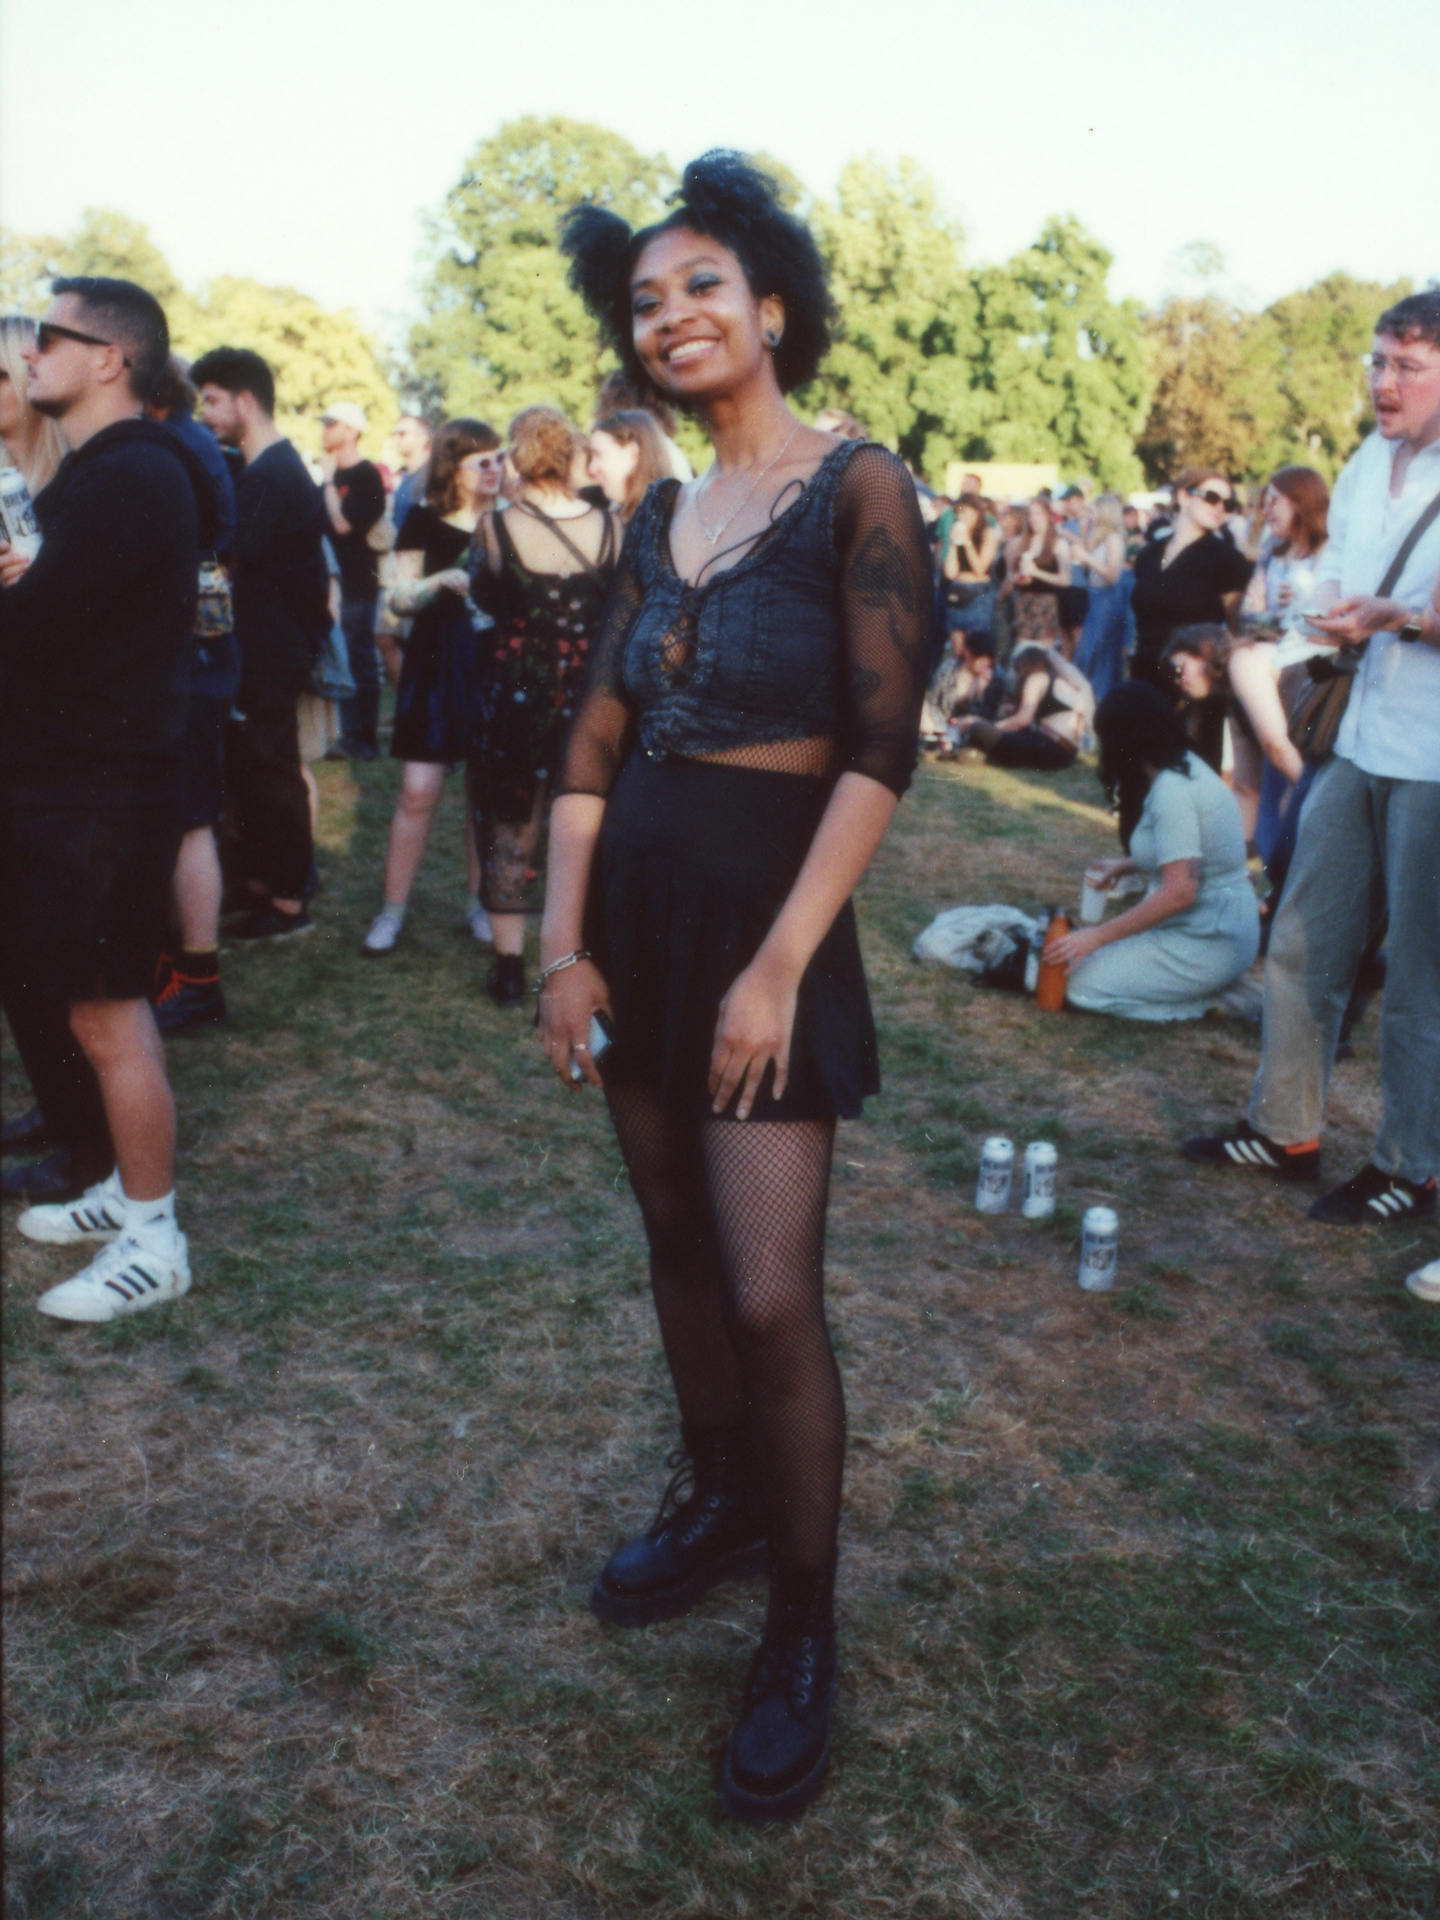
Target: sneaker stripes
x,y
1391,1204
1251,1153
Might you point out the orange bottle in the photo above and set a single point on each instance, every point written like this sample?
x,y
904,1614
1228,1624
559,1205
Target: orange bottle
x,y
1050,987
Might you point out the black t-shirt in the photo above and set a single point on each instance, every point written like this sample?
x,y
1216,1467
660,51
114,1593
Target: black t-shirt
x,y
428,532
281,583
362,501
96,637
1189,592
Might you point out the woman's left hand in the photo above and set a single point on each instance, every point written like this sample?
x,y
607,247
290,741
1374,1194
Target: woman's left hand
x,y
756,1019
1071,948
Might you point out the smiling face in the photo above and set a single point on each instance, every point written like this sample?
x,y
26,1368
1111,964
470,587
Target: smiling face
x,y
1279,514
1209,506
1405,387
699,330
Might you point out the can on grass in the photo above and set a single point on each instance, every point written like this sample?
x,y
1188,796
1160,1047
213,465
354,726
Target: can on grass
x,y
997,1167
1038,1201
1099,1249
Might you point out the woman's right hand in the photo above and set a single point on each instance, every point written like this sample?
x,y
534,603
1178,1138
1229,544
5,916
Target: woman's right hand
x,y
1105,873
453,580
567,1001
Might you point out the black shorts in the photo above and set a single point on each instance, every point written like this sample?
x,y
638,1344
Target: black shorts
x,y
205,760
88,875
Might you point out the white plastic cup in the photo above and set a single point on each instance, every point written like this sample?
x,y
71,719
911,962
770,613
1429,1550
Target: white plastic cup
x,y
997,1169
1099,1249
1041,1160
1093,901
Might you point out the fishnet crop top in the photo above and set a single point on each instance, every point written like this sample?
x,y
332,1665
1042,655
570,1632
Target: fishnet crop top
x,y
808,655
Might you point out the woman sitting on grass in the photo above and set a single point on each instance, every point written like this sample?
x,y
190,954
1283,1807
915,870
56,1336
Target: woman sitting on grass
x,y
1197,928
1051,712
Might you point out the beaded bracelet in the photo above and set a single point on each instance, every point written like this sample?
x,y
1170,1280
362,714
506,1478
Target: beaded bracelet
x,y
559,966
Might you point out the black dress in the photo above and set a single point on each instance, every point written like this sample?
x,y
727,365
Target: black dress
x,y
1189,592
436,699
715,722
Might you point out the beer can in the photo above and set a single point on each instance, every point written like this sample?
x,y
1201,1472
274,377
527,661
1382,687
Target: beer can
x,y
1099,1249
18,525
997,1166
1038,1201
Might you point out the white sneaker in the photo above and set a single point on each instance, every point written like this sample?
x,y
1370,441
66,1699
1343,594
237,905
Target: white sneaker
x,y
1424,1283
97,1216
125,1278
384,932
478,921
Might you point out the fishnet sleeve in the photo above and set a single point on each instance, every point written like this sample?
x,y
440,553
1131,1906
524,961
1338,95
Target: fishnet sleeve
x,y
604,725
886,596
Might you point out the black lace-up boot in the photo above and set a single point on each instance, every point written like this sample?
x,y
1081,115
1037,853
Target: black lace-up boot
x,y
708,1529
777,1756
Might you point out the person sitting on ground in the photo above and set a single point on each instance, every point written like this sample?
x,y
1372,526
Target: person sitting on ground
x,y
626,455
1197,930
1052,710
968,684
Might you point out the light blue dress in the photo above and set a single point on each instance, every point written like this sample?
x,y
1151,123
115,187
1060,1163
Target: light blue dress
x,y
1175,970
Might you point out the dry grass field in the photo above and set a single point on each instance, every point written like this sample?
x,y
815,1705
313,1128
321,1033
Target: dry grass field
x,y
1138,1591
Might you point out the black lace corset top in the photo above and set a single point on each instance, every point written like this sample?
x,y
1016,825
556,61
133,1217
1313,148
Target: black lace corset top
x,y
819,634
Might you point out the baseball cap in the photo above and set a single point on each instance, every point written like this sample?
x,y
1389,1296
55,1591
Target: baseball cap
x,y
347,413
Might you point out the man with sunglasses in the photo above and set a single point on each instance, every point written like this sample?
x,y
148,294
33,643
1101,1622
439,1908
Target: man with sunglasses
x,y
1370,829
95,649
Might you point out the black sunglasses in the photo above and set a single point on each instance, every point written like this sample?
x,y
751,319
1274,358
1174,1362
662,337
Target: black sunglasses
x,y
47,332
1214,499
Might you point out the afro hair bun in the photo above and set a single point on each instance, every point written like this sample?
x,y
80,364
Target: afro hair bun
x,y
725,197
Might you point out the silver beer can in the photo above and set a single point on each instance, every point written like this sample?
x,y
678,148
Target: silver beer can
x,y
1099,1249
1041,1160
997,1168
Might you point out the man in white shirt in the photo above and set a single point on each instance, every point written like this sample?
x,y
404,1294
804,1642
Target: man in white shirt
x,y
1370,833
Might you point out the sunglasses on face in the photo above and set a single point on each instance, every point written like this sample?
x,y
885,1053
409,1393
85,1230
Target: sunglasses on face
x,y
47,332
1213,499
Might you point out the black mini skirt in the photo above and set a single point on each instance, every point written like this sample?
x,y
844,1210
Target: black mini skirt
x,y
694,864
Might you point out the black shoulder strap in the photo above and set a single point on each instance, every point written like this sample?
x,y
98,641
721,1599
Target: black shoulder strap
x,y
1407,547
593,568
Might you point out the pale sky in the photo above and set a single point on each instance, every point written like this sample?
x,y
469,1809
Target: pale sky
x,y
302,141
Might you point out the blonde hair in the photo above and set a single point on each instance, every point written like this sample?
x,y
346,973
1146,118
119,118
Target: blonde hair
x,y
542,445
41,445
1108,514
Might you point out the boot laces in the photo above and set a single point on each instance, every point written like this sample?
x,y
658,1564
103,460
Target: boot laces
x,y
788,1657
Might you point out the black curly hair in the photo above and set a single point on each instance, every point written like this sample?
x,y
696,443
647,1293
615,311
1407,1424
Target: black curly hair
x,y
727,199
1140,734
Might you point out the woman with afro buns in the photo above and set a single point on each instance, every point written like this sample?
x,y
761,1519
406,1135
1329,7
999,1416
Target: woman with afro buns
x,y
748,725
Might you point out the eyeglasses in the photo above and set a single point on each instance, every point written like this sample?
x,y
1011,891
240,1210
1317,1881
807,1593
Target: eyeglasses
x,y
1213,499
485,462
47,332
1377,366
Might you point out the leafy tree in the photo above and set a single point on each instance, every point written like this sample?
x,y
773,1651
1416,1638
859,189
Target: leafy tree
x,y
1062,366
107,242
1323,331
906,334
318,356
27,266
501,330
1217,388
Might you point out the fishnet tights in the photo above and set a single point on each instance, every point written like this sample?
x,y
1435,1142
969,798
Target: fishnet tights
x,y
735,1215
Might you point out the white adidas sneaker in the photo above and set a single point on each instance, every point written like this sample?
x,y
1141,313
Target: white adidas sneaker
x,y
97,1216
126,1278
1424,1283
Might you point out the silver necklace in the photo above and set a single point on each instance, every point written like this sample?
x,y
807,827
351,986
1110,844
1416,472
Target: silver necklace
x,y
715,537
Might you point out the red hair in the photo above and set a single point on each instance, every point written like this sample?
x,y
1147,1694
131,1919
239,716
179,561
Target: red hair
x,y
1310,497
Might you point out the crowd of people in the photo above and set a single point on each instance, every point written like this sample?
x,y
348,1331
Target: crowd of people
x,y
688,706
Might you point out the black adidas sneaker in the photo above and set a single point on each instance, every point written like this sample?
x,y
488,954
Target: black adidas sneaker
x,y
1245,1146
1375,1199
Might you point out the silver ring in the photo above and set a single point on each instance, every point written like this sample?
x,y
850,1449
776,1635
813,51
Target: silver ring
x,y
580,1047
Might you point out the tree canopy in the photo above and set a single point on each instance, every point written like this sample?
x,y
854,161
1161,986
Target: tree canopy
x,y
318,355
501,330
